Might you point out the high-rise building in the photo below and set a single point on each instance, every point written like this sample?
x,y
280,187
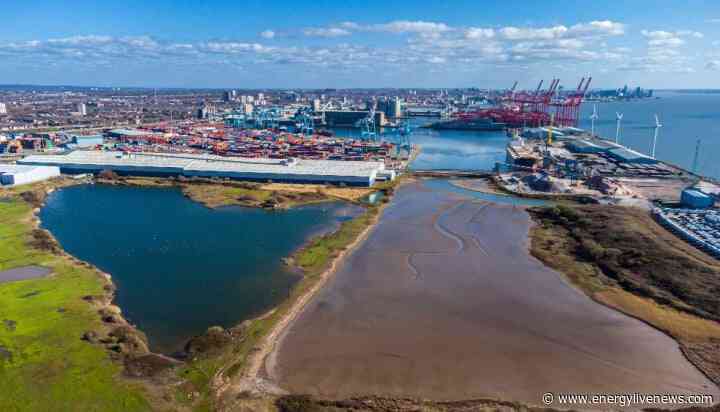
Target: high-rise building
x,y
82,109
316,105
206,112
230,95
391,107
395,108
3,108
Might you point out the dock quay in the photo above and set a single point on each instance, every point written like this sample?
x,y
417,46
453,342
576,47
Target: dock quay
x,y
293,170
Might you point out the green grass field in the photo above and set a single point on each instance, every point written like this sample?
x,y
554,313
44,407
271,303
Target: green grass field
x,y
44,364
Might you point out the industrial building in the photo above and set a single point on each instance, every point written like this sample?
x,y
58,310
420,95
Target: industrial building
x,y
88,140
696,199
541,133
391,107
353,173
12,175
350,118
594,146
625,155
131,134
709,189
583,146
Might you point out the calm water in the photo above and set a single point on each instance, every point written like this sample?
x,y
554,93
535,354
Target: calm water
x,y
449,149
179,266
685,117
443,185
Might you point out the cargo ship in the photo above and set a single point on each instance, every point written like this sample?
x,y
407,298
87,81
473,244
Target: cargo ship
x,y
480,124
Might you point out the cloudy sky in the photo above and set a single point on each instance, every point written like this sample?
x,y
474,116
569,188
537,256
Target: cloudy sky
x,y
440,43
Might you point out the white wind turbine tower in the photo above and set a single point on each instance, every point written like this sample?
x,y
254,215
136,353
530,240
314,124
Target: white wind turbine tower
x,y
593,117
617,130
657,130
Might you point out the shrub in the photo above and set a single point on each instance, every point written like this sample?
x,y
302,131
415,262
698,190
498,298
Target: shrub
x,y
297,403
108,175
34,197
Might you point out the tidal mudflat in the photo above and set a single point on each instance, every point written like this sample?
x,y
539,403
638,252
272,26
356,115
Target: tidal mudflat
x,y
181,267
443,301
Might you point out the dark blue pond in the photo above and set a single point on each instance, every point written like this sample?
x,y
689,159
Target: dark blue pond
x,y
179,266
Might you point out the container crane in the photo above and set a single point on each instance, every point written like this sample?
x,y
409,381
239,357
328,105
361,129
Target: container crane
x,y
404,133
307,124
567,111
369,130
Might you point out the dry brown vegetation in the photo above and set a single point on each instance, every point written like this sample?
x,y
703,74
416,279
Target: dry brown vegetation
x,y
217,193
622,258
352,194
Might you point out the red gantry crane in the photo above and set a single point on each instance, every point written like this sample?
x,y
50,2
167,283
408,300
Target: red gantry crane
x,y
533,108
567,110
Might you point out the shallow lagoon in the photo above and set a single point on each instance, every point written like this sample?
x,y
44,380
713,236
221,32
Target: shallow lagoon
x,y
180,267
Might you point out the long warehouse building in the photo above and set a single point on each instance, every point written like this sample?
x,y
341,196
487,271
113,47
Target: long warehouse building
x,y
13,175
191,165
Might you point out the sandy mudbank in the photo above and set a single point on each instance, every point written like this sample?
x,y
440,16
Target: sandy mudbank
x,y
483,318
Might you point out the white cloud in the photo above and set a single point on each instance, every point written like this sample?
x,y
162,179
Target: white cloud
x,y
665,52
546,33
404,26
695,34
712,65
479,33
430,45
666,42
350,25
326,32
599,27
580,30
143,42
81,40
233,47
663,35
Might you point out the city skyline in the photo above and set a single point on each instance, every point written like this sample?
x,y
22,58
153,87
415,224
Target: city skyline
x,y
403,44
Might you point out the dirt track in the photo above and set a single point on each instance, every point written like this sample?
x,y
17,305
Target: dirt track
x,y
443,302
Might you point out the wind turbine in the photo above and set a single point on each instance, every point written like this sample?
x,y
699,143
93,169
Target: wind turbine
x,y
593,117
657,130
696,157
617,130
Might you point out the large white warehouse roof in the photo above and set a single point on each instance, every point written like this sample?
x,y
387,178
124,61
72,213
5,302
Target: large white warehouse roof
x,y
21,174
218,166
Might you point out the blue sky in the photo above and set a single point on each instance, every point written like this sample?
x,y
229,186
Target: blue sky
x,y
284,44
